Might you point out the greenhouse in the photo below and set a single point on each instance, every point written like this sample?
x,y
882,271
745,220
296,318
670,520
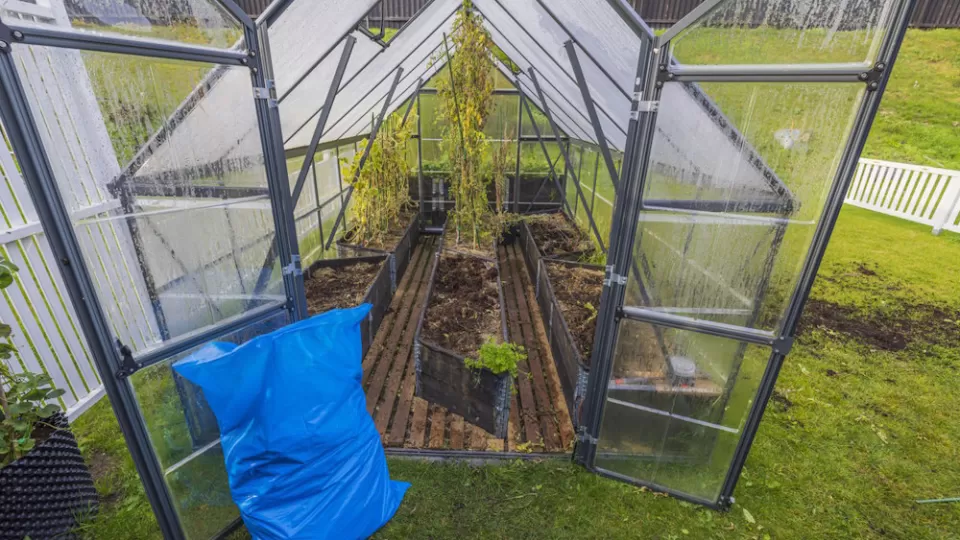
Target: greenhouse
x,y
580,237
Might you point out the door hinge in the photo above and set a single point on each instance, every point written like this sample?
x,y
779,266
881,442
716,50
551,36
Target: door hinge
x,y
586,438
643,107
267,93
293,268
128,366
614,278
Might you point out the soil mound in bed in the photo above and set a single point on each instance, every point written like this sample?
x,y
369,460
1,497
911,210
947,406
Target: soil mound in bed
x,y
555,235
578,292
339,288
464,309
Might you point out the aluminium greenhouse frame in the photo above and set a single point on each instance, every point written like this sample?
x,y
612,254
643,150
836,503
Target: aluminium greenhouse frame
x,y
654,70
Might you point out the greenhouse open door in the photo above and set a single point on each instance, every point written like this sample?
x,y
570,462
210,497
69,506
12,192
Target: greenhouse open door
x,y
156,169
735,173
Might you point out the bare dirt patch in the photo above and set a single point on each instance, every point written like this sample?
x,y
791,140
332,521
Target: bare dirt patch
x,y
890,330
339,288
555,235
464,308
578,291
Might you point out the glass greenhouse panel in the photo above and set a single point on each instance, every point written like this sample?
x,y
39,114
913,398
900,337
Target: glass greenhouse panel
x,y
732,200
185,437
405,48
140,186
301,105
193,22
786,32
301,35
539,40
676,406
603,32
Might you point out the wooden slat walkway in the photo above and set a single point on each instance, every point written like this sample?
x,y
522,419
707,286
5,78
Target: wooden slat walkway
x,y
539,421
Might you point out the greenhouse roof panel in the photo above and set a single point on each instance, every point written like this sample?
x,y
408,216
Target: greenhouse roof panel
x,y
539,40
299,108
304,34
406,46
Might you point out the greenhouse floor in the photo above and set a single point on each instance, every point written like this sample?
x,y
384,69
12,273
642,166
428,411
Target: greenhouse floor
x,y
539,419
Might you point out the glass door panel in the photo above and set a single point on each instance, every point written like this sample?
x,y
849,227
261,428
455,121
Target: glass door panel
x,y
676,405
186,439
161,167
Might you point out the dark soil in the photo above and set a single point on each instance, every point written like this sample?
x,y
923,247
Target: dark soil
x,y
578,292
891,330
339,288
555,235
464,310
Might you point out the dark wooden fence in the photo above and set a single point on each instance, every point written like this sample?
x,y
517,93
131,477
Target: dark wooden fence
x,y
929,13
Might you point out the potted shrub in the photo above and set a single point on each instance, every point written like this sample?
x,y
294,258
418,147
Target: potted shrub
x,y
45,485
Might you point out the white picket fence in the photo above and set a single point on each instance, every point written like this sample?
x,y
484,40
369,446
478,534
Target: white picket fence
x,y
921,194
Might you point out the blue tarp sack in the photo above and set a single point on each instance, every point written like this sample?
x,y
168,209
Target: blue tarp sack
x,y
303,455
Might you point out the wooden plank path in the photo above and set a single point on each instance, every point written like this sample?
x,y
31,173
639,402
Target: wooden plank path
x,y
539,421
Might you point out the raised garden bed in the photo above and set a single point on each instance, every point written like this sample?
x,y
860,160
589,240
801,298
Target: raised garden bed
x,y
397,246
568,294
552,235
346,283
464,308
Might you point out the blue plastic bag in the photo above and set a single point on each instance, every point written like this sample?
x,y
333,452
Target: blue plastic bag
x,y
303,455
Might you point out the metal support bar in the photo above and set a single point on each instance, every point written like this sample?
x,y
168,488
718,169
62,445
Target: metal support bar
x,y
566,158
324,116
849,72
52,37
268,120
406,114
516,188
546,154
366,154
27,145
712,328
420,154
592,112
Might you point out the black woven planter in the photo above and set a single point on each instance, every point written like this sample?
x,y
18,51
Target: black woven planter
x,y
43,493
399,256
480,396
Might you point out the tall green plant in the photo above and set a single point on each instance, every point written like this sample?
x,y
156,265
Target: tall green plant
x,y
25,398
465,99
381,192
